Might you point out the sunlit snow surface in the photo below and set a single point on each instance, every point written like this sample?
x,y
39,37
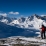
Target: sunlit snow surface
x,y
25,40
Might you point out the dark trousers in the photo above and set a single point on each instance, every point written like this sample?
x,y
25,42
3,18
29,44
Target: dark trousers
x,y
43,35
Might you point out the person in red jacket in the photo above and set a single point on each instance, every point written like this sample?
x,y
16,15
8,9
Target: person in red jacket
x,y
43,32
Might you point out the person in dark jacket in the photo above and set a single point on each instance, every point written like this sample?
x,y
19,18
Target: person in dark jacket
x,y
43,32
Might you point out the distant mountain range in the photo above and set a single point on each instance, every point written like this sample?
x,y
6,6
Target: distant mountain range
x,y
33,21
23,26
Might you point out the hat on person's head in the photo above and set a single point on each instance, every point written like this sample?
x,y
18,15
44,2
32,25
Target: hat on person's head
x,y
42,25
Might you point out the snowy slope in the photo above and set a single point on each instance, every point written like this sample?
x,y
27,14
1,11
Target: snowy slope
x,y
4,21
14,22
25,41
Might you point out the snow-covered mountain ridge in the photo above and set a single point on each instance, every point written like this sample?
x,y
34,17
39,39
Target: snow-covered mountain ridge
x,y
33,21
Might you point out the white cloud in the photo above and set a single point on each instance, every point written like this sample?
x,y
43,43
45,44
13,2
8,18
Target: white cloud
x,y
14,13
3,14
43,15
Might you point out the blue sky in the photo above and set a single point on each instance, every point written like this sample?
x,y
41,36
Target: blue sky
x,y
17,8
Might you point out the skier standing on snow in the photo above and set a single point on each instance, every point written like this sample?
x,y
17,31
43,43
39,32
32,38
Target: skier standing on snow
x,y
43,32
